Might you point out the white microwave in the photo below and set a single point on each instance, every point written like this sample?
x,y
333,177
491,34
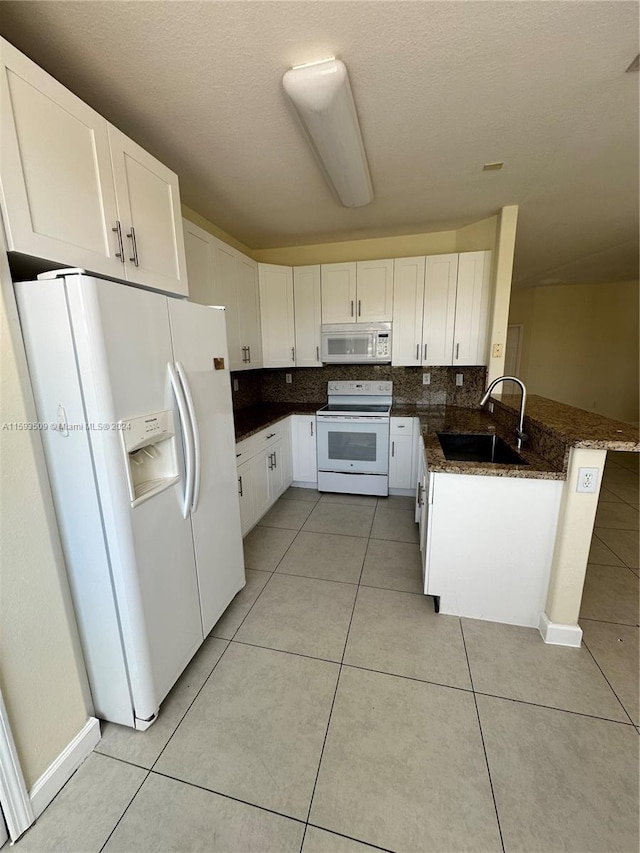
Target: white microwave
x,y
356,343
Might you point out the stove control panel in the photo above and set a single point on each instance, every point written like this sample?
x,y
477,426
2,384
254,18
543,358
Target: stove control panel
x,y
364,388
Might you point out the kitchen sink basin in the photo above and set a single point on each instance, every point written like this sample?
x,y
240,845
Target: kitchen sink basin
x,y
470,447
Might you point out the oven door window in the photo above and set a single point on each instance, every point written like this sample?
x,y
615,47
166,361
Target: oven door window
x,y
361,448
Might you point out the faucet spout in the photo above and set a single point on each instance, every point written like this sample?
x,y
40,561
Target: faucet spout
x,y
520,431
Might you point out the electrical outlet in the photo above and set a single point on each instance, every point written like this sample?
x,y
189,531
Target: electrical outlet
x,y
587,480
459,378
426,379
236,385
496,351
287,378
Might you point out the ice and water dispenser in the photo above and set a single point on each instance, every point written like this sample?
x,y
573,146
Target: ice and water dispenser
x,y
149,444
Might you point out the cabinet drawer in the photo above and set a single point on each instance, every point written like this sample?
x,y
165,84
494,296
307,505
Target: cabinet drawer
x,y
402,426
249,447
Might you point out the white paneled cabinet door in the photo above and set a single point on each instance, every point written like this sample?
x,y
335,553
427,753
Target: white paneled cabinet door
x,y
261,465
441,274
400,462
472,308
246,491
277,471
148,200
374,291
408,299
307,307
303,442
338,293
225,292
276,315
57,186
199,256
249,310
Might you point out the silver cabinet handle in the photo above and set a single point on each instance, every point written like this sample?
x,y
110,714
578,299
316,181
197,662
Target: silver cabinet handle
x,y
393,448
317,353
417,352
419,494
275,459
249,354
359,307
293,353
241,493
134,246
311,425
270,436
457,350
118,231
352,307
244,355
425,352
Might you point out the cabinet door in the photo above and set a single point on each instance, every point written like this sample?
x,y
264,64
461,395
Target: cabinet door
x,y
246,495
199,257
249,310
225,292
148,201
408,299
57,186
277,471
303,440
374,291
472,308
400,461
307,307
441,274
276,315
261,471
338,293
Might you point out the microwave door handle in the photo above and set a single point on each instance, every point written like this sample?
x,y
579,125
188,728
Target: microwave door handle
x,y
188,439
197,455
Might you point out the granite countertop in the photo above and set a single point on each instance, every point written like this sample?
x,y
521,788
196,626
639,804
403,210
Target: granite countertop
x,y
463,420
255,418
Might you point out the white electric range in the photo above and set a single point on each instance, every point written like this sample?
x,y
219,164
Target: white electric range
x,y
353,438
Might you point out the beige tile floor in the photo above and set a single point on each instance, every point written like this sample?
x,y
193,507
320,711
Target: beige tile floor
x,y
332,711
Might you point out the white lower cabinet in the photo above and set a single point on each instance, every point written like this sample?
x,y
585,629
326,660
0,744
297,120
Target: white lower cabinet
x,y
303,443
264,472
402,455
487,544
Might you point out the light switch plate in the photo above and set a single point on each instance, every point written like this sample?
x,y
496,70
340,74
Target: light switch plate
x,y
287,378
236,385
496,352
459,378
426,379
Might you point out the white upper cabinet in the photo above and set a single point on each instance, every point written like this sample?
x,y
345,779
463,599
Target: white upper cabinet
x,y
74,187
58,195
199,255
441,275
307,308
338,293
148,200
359,292
276,313
408,299
472,308
374,285
249,310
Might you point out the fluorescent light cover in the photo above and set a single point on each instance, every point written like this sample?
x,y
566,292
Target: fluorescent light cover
x,y
322,97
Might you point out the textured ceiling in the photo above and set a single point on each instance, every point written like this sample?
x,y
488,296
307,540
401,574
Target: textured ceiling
x,y
441,88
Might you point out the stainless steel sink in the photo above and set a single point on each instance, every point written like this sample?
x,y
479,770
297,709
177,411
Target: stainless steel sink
x,y
471,447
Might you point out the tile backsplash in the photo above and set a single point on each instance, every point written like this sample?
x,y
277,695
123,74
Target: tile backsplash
x,y
309,384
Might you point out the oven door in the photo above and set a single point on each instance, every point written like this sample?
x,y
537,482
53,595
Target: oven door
x,y
354,445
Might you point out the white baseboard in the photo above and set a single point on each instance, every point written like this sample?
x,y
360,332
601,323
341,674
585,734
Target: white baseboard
x,y
303,484
64,766
558,634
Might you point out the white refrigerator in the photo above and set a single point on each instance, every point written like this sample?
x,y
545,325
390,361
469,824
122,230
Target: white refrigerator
x,y
133,395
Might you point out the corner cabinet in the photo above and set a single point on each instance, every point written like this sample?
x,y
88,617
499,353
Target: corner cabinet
x,y
303,444
359,292
441,310
77,192
402,457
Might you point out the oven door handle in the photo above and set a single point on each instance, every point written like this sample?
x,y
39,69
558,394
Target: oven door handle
x,y
350,419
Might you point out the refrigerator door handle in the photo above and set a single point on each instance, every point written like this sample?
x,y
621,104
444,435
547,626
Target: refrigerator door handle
x,y
188,439
197,467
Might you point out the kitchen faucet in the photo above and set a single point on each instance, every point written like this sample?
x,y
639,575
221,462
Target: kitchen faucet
x,y
519,432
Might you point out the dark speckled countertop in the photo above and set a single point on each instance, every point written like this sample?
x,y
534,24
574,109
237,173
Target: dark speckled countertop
x,y
553,428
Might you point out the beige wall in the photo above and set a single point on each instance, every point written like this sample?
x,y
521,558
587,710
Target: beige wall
x,y
478,236
580,345
41,674
194,217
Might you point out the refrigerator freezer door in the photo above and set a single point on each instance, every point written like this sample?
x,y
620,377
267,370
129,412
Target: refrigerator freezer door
x,y
199,337
123,347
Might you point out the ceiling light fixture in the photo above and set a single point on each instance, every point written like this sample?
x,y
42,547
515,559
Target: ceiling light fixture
x,y
322,97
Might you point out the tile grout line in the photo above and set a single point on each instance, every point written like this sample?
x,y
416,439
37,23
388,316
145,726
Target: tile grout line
x,y
344,649
584,643
148,773
608,622
484,747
